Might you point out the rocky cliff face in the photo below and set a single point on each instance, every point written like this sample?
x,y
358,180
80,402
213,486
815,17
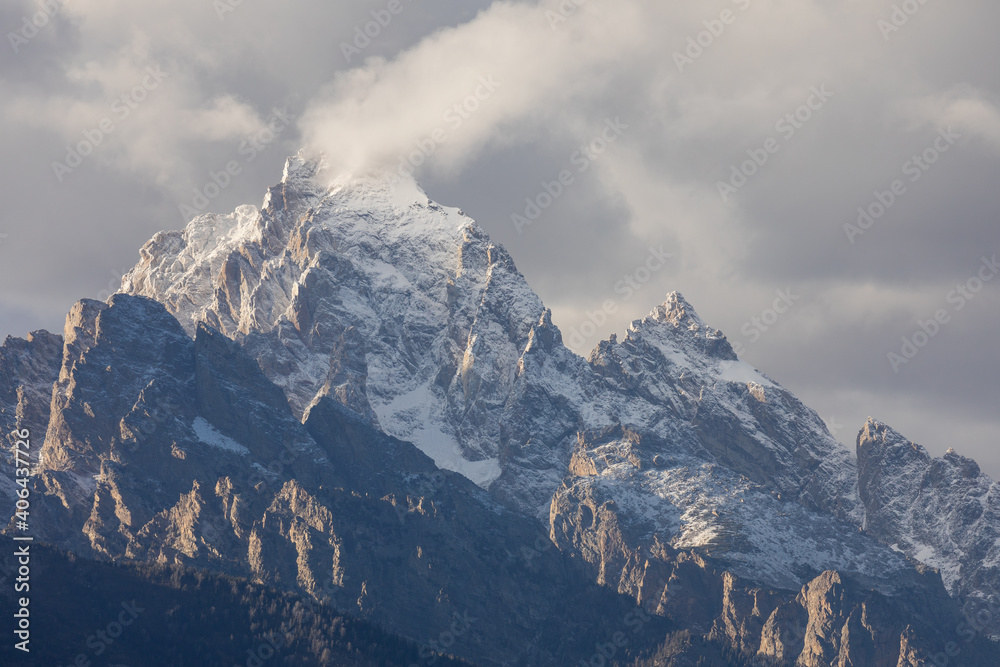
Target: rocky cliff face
x,y
406,313
656,496
172,615
28,368
207,466
944,512
896,613
171,450
353,393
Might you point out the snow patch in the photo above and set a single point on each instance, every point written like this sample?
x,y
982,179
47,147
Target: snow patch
x,y
406,192
208,435
741,372
408,417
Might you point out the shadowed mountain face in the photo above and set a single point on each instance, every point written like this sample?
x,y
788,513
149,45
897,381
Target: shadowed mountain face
x,y
353,394
100,613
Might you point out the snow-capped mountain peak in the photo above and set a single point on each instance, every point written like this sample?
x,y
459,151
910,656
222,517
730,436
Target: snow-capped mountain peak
x,y
361,289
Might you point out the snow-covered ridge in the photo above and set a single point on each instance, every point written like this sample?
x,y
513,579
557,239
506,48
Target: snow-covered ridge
x,y
362,289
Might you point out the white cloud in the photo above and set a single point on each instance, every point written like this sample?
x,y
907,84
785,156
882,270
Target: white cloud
x,y
965,108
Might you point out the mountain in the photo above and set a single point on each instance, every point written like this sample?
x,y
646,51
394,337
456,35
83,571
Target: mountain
x,y
353,394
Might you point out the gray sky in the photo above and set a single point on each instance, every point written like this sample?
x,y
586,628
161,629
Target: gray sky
x,y
644,107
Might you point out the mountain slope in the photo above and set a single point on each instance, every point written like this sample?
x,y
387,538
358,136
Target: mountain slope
x,y
28,369
403,311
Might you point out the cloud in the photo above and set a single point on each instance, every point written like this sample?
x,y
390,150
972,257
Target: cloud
x,y
965,108
133,111
557,60
466,82
699,85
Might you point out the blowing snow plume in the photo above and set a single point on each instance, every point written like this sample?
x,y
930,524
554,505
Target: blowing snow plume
x,y
523,68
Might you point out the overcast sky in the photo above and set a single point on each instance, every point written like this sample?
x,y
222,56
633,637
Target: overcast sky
x,y
737,137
